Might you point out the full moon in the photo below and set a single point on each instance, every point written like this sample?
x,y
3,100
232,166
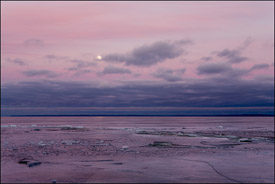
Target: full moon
x,y
99,57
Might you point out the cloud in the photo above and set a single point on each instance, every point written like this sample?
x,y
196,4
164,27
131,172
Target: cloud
x,y
52,57
16,61
232,56
214,68
206,58
259,66
248,41
222,70
82,71
37,73
34,43
182,71
169,75
114,70
82,64
149,55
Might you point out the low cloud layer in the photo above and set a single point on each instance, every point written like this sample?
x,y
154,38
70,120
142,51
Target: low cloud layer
x,y
202,93
149,55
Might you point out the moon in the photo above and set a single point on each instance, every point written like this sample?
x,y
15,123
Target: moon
x,y
99,57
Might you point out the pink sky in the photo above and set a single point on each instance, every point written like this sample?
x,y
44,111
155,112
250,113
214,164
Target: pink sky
x,y
185,57
83,30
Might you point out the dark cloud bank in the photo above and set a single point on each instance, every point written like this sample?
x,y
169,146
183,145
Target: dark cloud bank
x,y
211,93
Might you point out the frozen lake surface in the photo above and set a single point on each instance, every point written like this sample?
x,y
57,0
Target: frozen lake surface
x,y
137,149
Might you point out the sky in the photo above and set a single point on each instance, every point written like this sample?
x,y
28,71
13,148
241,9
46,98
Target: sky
x,y
142,58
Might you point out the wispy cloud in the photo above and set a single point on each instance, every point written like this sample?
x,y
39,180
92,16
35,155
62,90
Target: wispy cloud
x,y
51,57
17,61
206,58
34,42
43,73
82,71
82,64
169,75
221,69
114,70
81,67
248,41
259,66
231,56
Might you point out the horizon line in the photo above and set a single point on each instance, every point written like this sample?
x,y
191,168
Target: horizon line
x,y
151,115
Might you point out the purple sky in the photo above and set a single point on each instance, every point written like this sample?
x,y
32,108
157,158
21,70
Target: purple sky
x,y
177,56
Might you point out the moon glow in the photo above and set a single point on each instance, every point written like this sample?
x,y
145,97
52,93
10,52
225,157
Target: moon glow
x,y
99,57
